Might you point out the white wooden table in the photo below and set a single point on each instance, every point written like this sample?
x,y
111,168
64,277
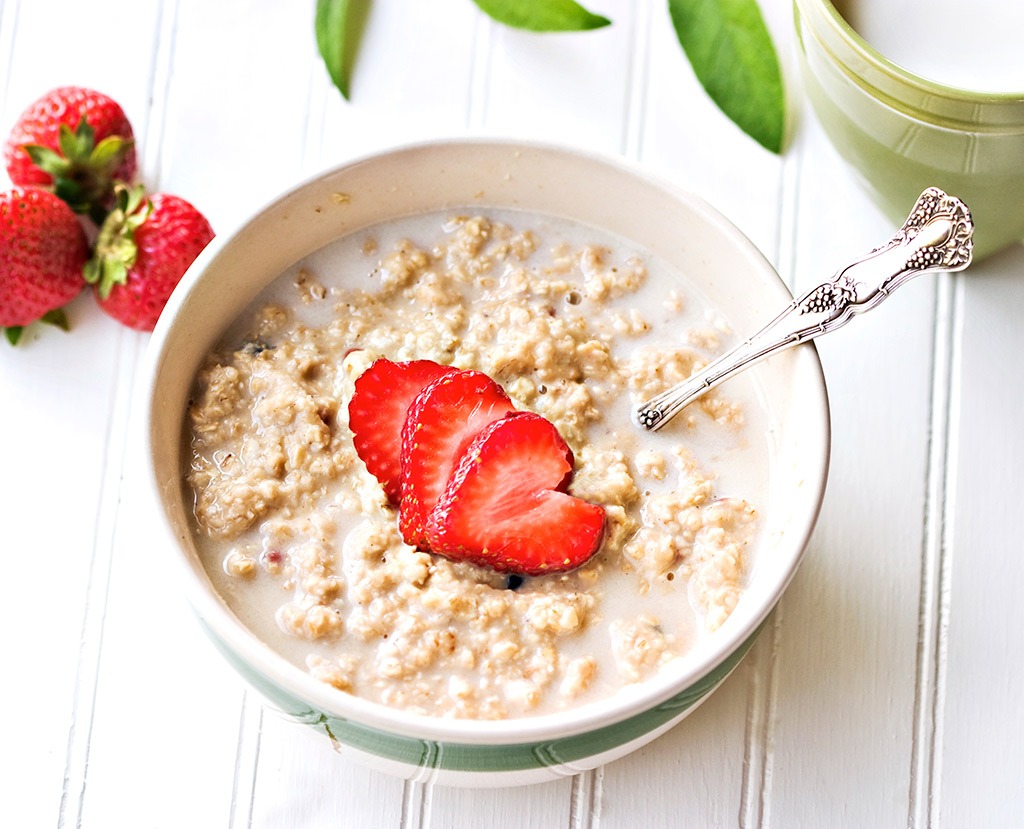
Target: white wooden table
x,y
886,691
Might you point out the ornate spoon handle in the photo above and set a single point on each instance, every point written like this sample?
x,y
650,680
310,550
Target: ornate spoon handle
x,y
935,237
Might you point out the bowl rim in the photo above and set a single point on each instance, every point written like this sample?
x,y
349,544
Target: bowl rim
x,y
883,76
632,700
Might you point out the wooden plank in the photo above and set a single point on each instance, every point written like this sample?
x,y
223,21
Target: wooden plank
x,y
696,773
301,781
531,807
412,80
64,403
979,764
166,717
197,702
688,140
569,88
848,654
237,101
60,459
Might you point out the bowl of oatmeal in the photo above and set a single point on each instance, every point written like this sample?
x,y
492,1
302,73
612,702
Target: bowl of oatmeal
x,y
576,287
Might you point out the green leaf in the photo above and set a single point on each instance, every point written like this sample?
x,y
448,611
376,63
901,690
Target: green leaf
x,y
76,145
732,54
47,160
115,272
543,15
58,318
71,192
55,317
93,271
110,152
339,25
114,252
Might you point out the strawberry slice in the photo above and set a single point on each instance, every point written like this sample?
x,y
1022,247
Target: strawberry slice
x,y
443,420
377,411
505,505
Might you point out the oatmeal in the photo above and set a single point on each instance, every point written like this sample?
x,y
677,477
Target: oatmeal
x,y
302,541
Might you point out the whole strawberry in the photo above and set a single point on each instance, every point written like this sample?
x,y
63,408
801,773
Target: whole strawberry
x,y
143,249
42,251
76,140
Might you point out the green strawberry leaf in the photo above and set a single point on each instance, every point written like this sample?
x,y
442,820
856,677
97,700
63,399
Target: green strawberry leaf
x,y
110,265
47,160
78,144
58,318
71,191
81,169
113,272
339,24
109,152
733,57
93,271
55,317
542,15
133,202
115,252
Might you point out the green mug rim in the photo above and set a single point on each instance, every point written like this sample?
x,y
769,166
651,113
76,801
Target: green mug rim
x,y
948,105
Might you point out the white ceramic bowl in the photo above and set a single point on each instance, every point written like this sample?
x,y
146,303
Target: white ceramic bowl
x,y
687,234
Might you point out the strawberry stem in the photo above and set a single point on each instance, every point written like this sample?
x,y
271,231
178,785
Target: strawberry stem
x,y
82,170
115,251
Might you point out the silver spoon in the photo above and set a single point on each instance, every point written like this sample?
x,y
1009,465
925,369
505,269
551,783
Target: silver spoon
x,y
935,237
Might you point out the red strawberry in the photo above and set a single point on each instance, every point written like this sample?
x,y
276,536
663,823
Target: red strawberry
x,y
143,249
380,402
77,140
42,251
504,507
443,420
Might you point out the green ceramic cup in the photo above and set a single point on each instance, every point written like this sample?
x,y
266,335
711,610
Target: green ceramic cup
x,y
903,133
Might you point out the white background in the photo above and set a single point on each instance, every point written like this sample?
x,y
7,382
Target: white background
x,y
885,691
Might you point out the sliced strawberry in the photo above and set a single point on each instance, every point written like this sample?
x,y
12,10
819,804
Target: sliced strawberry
x,y
378,408
505,507
443,420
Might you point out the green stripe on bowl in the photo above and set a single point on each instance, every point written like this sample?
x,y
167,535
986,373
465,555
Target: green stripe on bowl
x,y
432,754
